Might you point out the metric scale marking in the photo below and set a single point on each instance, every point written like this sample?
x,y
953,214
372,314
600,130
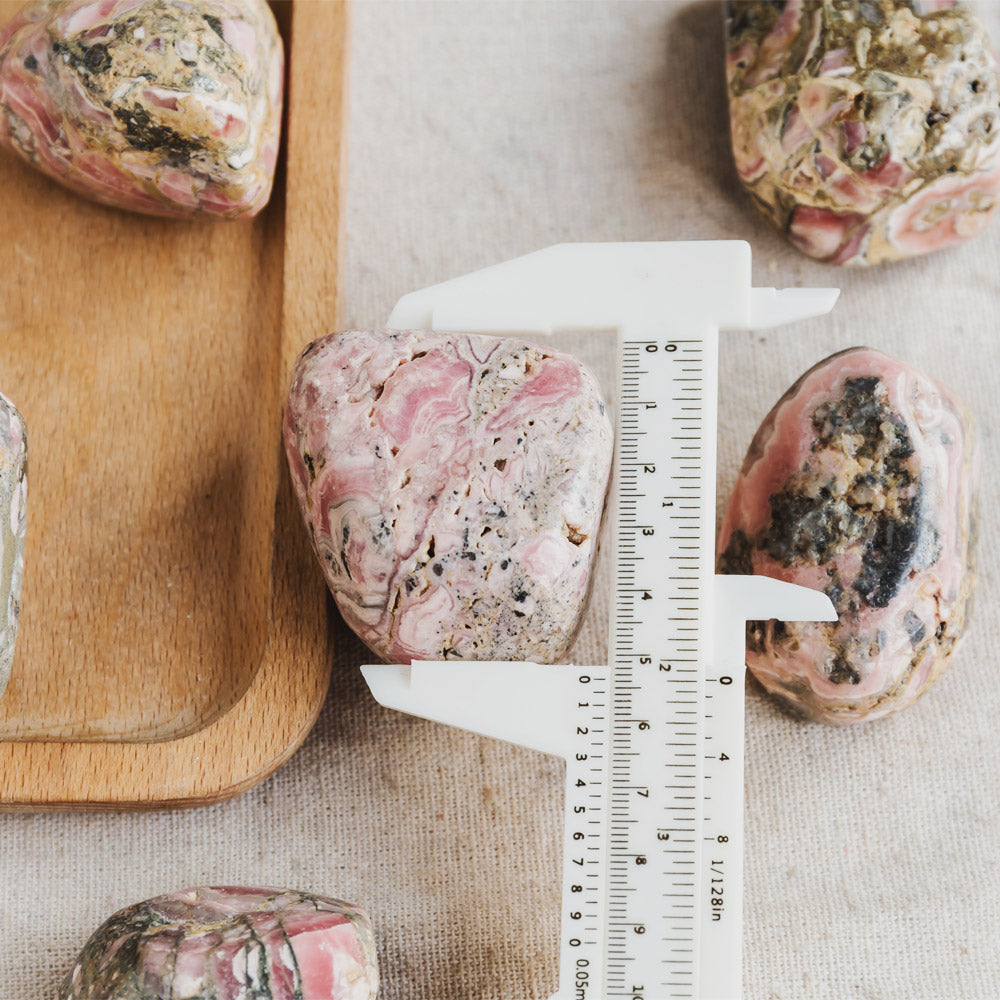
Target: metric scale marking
x,y
652,842
661,521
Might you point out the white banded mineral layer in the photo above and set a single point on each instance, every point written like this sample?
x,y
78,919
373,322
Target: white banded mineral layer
x,y
860,482
13,513
453,487
168,107
226,943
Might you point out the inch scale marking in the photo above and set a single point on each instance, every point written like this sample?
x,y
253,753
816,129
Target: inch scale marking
x,y
663,698
657,633
653,740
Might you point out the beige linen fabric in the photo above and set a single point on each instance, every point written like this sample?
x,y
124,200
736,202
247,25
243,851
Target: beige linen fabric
x,y
478,132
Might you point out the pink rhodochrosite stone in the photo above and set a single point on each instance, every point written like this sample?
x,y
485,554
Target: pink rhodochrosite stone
x,y
453,486
859,483
13,522
168,107
229,944
868,131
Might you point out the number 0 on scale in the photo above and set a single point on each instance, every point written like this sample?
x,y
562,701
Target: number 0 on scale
x,y
653,740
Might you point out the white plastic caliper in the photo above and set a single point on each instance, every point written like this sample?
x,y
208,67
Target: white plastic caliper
x,y
653,838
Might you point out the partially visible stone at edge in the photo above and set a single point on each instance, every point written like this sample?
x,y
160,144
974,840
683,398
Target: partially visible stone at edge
x,y
227,943
866,131
167,107
860,482
13,510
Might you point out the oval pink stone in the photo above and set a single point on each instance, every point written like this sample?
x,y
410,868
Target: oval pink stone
x,y
170,107
453,487
859,483
227,943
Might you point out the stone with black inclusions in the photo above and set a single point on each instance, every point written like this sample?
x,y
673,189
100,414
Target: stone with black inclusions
x,y
859,483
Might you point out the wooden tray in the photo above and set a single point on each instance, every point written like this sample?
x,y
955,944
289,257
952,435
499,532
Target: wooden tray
x,y
174,645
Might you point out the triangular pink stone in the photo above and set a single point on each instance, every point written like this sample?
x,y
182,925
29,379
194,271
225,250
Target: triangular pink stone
x,y
453,486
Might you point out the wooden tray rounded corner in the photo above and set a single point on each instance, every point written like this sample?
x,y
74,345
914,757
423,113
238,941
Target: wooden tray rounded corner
x,y
174,647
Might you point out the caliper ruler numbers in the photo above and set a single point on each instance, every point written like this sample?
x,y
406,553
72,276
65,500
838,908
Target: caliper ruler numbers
x,y
653,740
664,525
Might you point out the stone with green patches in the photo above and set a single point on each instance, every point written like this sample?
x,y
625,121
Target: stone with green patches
x,y
867,132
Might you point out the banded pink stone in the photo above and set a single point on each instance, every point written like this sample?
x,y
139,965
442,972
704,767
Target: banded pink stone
x,y
217,943
860,483
168,107
453,487
868,132
13,519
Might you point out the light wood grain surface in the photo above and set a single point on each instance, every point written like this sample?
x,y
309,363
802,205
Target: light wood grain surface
x,y
173,643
